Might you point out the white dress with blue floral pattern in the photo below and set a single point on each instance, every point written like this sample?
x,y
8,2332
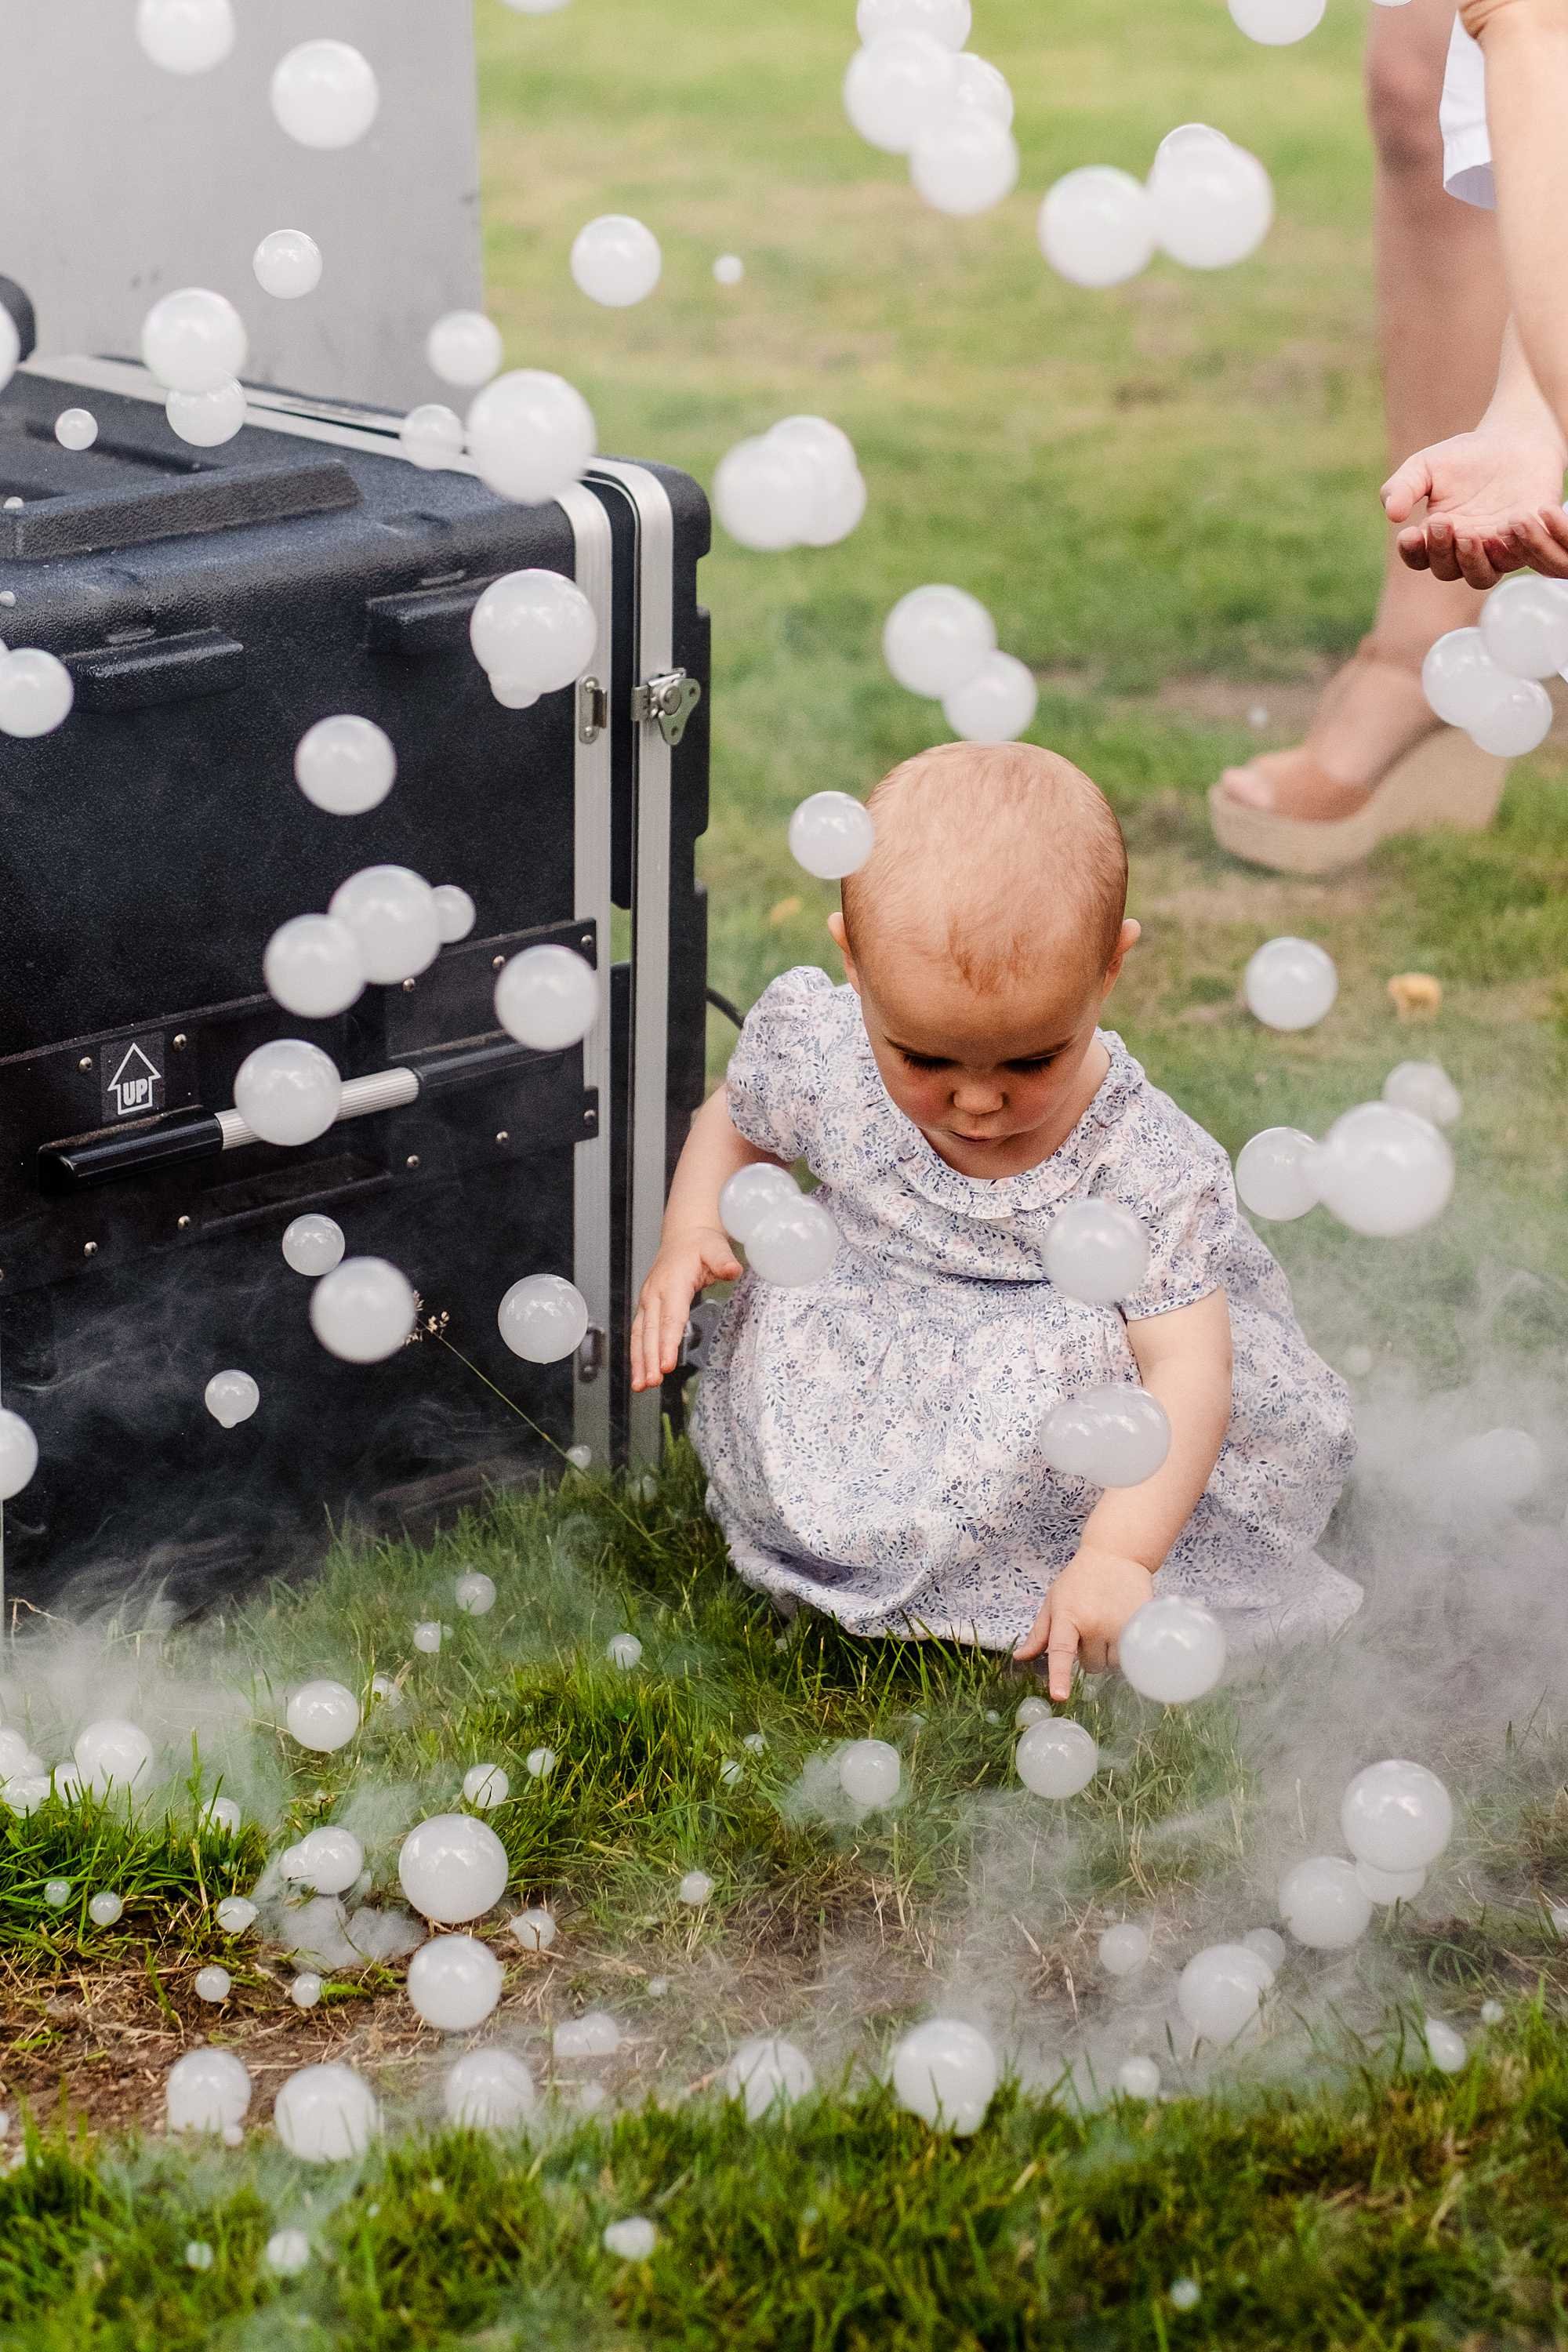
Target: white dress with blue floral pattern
x,y
872,1440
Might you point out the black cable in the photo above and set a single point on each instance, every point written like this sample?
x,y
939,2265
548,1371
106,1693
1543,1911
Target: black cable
x,y
722,1004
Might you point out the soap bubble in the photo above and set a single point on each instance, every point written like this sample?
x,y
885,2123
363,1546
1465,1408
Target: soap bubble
x,y
35,692
456,913
305,1990
543,1319
1181,146
18,1453
231,1397
487,1786
729,269
476,1593
1386,1886
206,2091
220,1816
454,1982
534,7
1460,679
1221,1989
1396,1816
1524,625
324,94
207,419
947,21
534,629
1323,1904
452,1868
326,1860
1112,1436
965,166
1031,1710
1277,22
750,1194
794,1245
836,499
625,1651
287,264
325,2114
1445,2048
287,2252
1124,1949
427,1635
633,2239
1097,226
1383,1172
541,1762
769,2074
983,88
235,1914
897,86
595,2034
695,1889
464,348
312,967
10,357
76,428
1269,1946
345,765
1515,721
1172,1650
1276,1174
431,435
997,705
615,262
392,913
1425,1088
214,1985
106,1907
1289,984
534,1928
288,1092
531,435
194,341
57,1893
1213,204
548,998
764,491
313,1244
1496,1469
1057,1759
1185,2294
946,2073
113,1755
488,2090
1139,2078
831,834
322,1716
869,1772
935,639
186,37
1098,1251
581,1457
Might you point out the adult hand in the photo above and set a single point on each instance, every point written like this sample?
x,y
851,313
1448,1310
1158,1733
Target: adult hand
x,y
686,1263
1490,499
1081,1618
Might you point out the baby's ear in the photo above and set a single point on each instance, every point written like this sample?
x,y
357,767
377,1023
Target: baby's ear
x,y
840,939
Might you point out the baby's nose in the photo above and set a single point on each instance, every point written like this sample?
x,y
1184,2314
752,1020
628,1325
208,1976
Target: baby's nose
x,y
977,1096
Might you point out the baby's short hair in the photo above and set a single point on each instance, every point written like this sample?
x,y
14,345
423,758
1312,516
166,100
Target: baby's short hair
x,y
998,855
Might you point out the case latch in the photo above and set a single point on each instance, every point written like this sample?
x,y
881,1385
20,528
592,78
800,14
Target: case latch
x,y
593,710
672,698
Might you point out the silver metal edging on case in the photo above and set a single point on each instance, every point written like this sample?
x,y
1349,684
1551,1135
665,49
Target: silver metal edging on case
x,y
650,910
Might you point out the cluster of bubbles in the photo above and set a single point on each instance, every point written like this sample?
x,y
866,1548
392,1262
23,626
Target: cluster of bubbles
x,y
788,1238
1207,204
1487,680
1384,1169
940,642
798,485
913,89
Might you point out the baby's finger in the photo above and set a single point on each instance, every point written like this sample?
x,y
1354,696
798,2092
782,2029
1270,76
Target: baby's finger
x,y
652,1334
1061,1657
1035,1640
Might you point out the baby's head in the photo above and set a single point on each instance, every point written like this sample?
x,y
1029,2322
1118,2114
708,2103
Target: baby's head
x,y
984,933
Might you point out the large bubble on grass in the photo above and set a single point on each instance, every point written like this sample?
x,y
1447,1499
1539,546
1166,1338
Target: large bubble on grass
x,y
18,1453
194,341
535,629
312,967
186,37
750,1194
1096,1251
831,834
595,2034
206,2091
1097,226
1276,23
327,1860
488,2090
794,1245
391,911
1324,1905
452,1868
322,1716
313,1244
615,260
363,1310
531,435
1172,1650
325,94
1289,984
1124,1950
1057,1759
869,1772
1396,1816
936,639
897,86
1213,204
1115,1436
1221,1989
998,704
543,1319
112,1756
1383,1172
947,21
1385,1888
324,2114
965,166
769,2074
454,1982
547,998
946,2073
36,692
1524,625
1275,1175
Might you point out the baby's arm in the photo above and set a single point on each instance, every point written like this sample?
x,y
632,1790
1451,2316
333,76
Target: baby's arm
x,y
694,1249
1183,1360
1525,44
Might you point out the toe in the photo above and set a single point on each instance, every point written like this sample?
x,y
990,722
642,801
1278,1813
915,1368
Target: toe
x,y
1250,786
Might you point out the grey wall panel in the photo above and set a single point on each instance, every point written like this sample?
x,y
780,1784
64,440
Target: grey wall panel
x,y
118,181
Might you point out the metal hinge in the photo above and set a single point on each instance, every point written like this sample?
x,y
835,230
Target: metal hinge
x,y
672,698
592,1353
593,710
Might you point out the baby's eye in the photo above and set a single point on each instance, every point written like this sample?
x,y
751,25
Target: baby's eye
x,y
1040,1062
922,1061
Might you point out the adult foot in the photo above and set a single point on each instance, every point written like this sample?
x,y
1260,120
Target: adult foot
x,y
1372,712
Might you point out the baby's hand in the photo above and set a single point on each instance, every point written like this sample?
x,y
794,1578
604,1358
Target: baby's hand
x,y
1083,1614
1494,504
686,1263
